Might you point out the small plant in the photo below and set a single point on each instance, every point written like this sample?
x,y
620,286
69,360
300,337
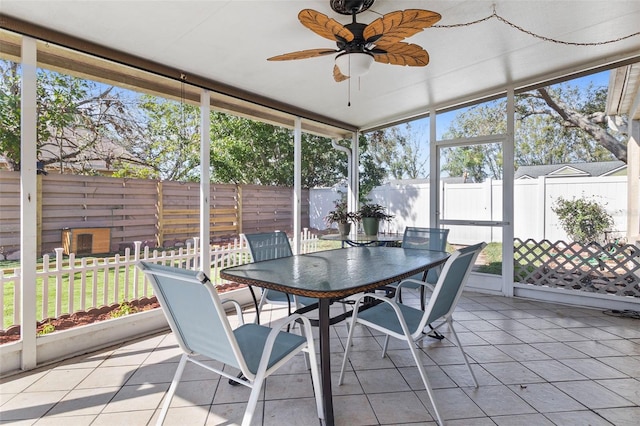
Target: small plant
x,y
340,214
583,220
122,310
47,329
375,211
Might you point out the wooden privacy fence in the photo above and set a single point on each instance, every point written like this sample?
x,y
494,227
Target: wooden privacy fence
x,y
160,214
608,269
66,284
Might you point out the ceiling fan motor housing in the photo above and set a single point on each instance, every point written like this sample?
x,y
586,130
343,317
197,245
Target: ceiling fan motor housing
x,y
349,7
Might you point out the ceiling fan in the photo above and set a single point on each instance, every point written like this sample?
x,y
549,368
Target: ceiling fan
x,y
359,45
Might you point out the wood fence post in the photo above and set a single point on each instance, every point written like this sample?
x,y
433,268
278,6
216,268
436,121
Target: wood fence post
x,y
39,215
239,208
159,215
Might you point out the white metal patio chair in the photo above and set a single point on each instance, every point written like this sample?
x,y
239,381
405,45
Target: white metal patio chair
x,y
195,314
267,246
407,323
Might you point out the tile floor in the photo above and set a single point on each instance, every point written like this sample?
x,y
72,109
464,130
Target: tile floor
x,y
537,364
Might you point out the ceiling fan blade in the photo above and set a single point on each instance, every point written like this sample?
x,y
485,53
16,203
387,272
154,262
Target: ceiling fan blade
x,y
396,26
302,54
324,26
400,53
337,75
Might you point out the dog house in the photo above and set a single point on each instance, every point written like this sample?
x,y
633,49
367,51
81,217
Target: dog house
x,y
86,240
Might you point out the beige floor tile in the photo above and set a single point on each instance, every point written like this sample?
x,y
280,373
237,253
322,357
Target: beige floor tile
x,y
127,418
577,418
522,419
301,411
546,398
382,380
232,414
498,401
625,364
83,402
592,395
399,407
29,405
107,377
353,410
553,371
137,397
627,388
626,416
593,369
512,373
452,404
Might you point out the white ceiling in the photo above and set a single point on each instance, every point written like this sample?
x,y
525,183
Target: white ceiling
x,y
228,41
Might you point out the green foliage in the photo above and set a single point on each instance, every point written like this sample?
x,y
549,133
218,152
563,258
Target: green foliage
x,y
123,310
48,328
582,219
340,214
376,211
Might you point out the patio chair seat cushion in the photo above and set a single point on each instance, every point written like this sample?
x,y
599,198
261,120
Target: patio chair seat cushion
x,y
384,316
251,339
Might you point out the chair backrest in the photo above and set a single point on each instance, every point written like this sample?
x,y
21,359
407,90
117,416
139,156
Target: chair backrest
x,y
194,312
451,282
425,238
269,245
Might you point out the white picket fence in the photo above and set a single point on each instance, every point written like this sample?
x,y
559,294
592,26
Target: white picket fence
x,y
121,280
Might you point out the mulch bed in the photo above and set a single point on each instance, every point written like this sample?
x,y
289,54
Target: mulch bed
x,y
76,319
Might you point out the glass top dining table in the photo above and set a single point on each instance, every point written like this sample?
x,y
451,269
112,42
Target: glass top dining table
x,y
330,275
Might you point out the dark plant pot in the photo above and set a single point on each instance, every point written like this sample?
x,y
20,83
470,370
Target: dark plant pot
x,y
370,225
344,228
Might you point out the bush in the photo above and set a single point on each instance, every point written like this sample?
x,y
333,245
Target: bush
x,y
582,219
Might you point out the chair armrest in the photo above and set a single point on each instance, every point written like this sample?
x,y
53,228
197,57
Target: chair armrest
x,y
237,307
413,281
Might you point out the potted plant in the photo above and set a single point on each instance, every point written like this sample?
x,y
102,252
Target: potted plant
x,y
371,214
341,216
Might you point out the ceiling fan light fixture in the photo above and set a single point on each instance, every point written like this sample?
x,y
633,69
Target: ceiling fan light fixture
x,y
354,64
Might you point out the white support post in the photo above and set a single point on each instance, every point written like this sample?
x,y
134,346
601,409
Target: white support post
x,y
354,183
508,149
297,183
434,172
541,205
28,203
205,183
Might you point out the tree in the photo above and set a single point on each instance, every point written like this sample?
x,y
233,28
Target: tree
x,y
79,121
170,145
560,124
398,151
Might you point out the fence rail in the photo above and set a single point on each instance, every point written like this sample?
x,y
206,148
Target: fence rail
x,y
68,285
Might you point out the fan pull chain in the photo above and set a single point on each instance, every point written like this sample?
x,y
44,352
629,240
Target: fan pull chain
x,y
349,89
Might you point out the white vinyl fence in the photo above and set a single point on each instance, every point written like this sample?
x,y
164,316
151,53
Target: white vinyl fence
x,y
96,282
533,200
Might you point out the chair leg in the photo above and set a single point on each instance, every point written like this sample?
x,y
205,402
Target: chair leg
x,y
253,399
464,355
315,377
385,346
348,344
425,380
172,389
